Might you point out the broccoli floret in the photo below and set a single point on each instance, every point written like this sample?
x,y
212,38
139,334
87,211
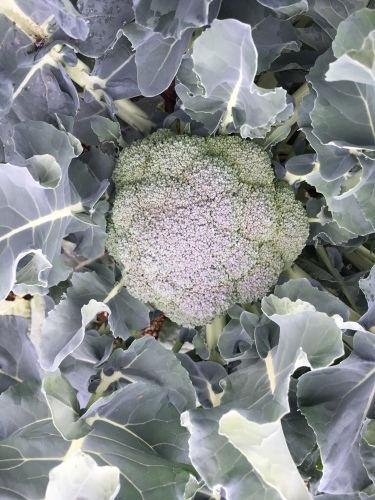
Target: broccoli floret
x,y
200,223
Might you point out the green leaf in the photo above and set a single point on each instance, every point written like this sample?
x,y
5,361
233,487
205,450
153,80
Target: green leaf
x,y
171,19
265,448
322,300
298,434
330,13
104,20
343,110
335,401
80,478
258,388
354,49
222,95
138,430
288,7
271,35
307,338
367,448
64,13
64,406
157,56
80,365
35,218
205,377
18,359
368,288
30,445
107,130
148,361
90,294
219,462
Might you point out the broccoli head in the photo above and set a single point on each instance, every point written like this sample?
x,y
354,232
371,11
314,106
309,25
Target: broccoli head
x,y
200,223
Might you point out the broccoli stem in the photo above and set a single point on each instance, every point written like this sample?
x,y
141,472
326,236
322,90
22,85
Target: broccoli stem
x,y
360,258
213,332
177,345
126,109
366,253
14,13
320,250
298,95
251,308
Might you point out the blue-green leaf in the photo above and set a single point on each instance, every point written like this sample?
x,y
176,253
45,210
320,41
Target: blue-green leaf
x,y
223,95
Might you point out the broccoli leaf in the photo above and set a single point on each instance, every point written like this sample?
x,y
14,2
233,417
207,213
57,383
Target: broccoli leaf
x,y
336,410
18,359
62,12
104,20
258,442
271,35
90,294
173,18
330,13
367,447
26,460
81,477
355,59
223,95
64,407
341,106
146,360
259,388
288,7
35,214
138,430
116,71
157,56
80,365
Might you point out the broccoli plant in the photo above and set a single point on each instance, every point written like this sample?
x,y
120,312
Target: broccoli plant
x,y
201,223
111,225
